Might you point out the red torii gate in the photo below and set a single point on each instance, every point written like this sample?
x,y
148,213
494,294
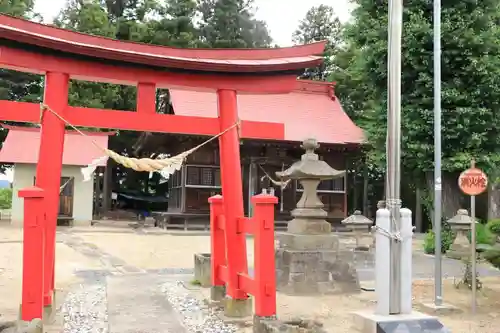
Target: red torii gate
x,y
62,55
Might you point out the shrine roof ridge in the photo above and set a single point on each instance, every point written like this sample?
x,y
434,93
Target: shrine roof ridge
x,y
267,60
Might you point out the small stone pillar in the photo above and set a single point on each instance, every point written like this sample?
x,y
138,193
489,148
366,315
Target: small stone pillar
x,y
307,260
461,224
360,225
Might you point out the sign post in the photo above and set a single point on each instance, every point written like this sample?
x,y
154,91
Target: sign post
x,y
472,182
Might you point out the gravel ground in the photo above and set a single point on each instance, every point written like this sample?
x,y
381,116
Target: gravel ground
x,y
85,310
195,316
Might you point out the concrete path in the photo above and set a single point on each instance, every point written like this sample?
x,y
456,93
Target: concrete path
x,y
136,304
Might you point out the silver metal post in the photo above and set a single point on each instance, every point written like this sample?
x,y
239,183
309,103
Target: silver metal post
x,y
473,250
393,173
438,284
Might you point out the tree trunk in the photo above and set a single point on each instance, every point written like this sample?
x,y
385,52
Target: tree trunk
x,y
418,210
494,202
451,195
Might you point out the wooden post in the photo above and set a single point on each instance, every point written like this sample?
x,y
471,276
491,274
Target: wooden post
x,y
365,190
49,167
265,264
418,210
217,242
97,191
33,253
232,190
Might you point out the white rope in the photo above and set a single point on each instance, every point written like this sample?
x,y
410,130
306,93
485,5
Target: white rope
x,y
396,234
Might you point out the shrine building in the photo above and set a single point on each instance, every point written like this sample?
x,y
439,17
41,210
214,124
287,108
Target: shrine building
x,y
76,201
211,91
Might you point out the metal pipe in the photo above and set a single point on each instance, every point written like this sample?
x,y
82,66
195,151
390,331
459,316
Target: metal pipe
x,y
394,145
438,284
473,250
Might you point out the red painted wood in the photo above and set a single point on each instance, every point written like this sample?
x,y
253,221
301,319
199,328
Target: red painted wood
x,y
33,254
135,121
232,191
217,242
264,265
230,60
97,71
48,170
146,98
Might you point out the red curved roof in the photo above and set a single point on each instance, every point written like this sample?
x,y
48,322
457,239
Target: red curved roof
x,y
311,110
218,60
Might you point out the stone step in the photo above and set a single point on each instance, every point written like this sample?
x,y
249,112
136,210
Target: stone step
x,y
137,304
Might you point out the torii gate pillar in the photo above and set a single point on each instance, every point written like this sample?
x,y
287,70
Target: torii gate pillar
x,y
49,167
232,190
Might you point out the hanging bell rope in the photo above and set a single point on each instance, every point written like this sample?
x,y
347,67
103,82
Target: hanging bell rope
x,y
282,184
165,166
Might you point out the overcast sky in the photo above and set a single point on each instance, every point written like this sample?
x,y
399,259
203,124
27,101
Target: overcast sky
x,y
282,16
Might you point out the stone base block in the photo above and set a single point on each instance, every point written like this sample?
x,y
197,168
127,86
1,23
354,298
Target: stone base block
x,y
439,309
217,293
309,242
307,226
368,322
202,269
309,272
273,325
238,308
21,326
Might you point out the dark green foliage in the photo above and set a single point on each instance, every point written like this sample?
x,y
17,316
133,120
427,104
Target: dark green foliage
x,y
494,226
231,24
5,198
319,24
447,237
470,85
483,235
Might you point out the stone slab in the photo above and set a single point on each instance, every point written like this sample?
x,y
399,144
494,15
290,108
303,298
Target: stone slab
x,y
439,309
416,322
136,304
309,242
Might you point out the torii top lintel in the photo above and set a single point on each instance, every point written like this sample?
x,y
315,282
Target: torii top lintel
x,y
263,61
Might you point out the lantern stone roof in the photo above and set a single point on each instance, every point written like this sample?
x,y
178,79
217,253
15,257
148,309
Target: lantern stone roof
x,y
310,166
250,61
357,219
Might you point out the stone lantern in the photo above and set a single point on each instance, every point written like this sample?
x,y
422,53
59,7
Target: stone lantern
x,y
359,224
307,259
461,224
309,215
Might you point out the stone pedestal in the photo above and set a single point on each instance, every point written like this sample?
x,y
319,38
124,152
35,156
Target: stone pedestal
x,y
309,272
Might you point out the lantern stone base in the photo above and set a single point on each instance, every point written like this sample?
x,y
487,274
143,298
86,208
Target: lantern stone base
x,y
369,322
311,264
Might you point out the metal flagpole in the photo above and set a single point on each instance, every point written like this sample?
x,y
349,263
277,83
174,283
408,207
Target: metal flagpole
x,y
438,287
393,172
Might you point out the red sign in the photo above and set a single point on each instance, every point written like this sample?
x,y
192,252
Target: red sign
x,y
473,181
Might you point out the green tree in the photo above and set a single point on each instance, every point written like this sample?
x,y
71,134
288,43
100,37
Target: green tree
x,y
5,198
319,23
470,85
231,24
